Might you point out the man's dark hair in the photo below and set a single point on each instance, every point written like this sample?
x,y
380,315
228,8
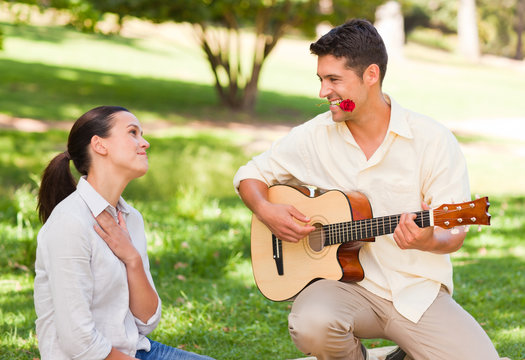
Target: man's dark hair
x,y
358,42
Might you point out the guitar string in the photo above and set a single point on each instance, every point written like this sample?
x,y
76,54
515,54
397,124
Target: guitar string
x,y
352,228
361,227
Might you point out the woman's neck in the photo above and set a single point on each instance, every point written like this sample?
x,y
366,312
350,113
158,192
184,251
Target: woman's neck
x,y
109,187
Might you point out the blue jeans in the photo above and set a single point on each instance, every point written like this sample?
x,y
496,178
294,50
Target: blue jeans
x,y
163,352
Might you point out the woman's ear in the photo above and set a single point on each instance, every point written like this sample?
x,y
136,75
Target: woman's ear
x,y
372,74
97,145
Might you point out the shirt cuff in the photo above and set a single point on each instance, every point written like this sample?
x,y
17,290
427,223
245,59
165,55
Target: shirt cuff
x,y
248,171
153,321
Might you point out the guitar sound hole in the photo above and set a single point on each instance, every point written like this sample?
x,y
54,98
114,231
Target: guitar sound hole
x,y
316,238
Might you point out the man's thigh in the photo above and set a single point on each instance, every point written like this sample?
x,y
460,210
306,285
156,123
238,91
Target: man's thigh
x,y
445,331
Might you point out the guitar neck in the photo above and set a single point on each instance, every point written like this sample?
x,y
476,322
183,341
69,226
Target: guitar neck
x,y
344,232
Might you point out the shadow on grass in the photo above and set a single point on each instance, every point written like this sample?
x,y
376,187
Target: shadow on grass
x,y
493,291
46,92
58,35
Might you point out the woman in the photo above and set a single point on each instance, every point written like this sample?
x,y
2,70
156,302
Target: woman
x,y
94,295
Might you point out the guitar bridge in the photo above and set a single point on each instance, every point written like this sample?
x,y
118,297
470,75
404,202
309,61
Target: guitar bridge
x,y
278,254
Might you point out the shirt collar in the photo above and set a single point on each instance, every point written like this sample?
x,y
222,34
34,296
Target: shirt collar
x,y
95,202
398,119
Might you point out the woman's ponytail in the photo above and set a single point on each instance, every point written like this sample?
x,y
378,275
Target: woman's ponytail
x,y
58,181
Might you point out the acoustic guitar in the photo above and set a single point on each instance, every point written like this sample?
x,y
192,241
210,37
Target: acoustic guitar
x,y
343,223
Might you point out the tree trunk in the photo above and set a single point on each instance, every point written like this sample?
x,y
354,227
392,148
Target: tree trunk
x,y
468,40
236,90
520,27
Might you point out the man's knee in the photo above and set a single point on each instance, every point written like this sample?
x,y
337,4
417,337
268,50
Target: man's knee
x,y
315,329
307,332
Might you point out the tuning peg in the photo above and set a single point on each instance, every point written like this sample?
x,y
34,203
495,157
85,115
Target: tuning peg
x,y
479,228
477,196
466,228
454,231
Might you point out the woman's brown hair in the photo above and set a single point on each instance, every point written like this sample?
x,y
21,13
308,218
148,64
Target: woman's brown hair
x,y
57,180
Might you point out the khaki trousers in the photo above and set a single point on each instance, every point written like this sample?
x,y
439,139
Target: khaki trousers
x,y
329,317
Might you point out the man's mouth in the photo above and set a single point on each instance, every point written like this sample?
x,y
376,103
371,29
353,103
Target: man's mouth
x,y
335,102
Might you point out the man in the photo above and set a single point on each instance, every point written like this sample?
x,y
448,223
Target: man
x,y
401,161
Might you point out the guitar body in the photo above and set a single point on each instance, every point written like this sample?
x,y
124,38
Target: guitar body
x,y
343,222
307,260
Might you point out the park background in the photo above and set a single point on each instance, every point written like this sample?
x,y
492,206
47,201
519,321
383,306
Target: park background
x,y
61,58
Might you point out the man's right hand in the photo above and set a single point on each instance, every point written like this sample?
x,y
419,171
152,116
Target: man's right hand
x,y
284,221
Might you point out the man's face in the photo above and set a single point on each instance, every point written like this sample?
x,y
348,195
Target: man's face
x,y
338,83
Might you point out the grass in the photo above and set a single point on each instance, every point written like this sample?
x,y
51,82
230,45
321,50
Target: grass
x,y
198,229
199,251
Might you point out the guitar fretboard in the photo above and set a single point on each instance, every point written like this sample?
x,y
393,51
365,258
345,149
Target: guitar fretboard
x,y
344,232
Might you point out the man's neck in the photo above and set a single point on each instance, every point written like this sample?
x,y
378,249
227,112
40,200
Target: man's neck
x,y
369,130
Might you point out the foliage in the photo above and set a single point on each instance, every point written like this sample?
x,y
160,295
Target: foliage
x,y
437,14
500,26
221,25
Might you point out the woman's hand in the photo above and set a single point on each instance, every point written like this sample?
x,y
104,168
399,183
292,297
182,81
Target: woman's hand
x,y
143,300
117,237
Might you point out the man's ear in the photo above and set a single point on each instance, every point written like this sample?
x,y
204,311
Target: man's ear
x,y
372,74
97,145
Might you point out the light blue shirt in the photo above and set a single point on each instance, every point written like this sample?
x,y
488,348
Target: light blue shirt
x,y
81,288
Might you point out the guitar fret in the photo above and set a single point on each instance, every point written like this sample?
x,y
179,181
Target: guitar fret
x,y
344,232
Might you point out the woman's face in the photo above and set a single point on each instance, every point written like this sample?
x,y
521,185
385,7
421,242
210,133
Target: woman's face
x,y
126,148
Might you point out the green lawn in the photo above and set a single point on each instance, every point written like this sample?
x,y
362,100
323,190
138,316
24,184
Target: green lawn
x,y
198,229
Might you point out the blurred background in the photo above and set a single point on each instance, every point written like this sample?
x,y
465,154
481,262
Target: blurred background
x,y
213,83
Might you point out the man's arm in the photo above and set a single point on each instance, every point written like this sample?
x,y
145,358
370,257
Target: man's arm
x,y
408,235
281,219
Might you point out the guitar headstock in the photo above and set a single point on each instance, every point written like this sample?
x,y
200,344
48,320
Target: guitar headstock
x,y
468,213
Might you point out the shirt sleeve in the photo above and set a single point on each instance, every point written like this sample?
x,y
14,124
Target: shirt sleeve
x,y
446,175
140,244
67,253
285,161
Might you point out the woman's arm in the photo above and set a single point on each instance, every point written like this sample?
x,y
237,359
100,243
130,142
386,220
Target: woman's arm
x,y
118,355
143,300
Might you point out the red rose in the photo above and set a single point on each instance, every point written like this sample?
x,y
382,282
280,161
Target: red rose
x,y
347,105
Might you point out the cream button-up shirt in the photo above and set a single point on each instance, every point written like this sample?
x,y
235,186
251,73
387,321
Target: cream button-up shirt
x,y
418,160
81,290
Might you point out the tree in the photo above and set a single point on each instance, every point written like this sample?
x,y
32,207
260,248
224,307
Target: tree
x,y
501,27
468,38
520,27
222,25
